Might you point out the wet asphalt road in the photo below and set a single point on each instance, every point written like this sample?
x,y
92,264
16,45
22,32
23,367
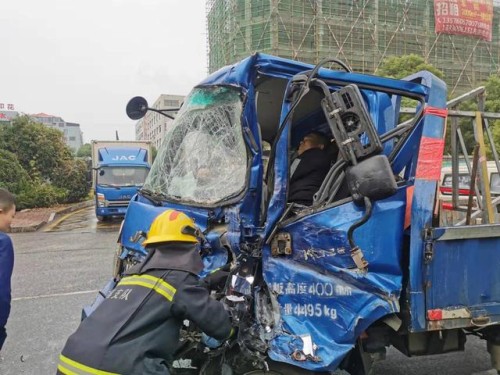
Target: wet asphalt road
x,y
60,270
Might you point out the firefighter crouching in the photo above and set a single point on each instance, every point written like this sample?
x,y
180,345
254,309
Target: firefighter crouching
x,y
136,329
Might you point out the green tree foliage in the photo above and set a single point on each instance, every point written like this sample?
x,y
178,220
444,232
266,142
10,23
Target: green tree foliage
x,y
403,66
40,150
41,154
29,193
492,104
13,177
84,151
73,176
40,194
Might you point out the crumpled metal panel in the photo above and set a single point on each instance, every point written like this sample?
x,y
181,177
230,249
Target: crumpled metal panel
x,y
318,288
141,213
241,74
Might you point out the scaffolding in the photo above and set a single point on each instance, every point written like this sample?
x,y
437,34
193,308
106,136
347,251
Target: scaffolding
x,y
360,32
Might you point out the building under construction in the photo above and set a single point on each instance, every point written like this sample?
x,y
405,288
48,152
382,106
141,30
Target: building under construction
x,y
359,32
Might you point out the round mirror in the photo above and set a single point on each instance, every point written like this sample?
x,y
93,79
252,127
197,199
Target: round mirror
x,y
137,108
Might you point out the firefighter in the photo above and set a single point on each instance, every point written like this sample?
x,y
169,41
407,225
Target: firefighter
x,y
136,329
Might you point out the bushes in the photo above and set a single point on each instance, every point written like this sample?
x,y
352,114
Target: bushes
x,y
29,192
72,178
13,177
40,195
38,167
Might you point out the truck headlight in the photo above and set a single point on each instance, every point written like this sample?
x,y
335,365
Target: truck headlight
x,y
101,201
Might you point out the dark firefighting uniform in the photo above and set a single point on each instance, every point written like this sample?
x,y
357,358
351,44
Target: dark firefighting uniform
x,y
136,329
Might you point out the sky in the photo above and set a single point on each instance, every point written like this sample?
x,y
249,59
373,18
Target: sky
x,y
82,60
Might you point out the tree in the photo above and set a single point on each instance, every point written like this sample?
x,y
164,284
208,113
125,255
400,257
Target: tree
x,y
73,177
403,66
40,150
84,151
54,175
13,177
492,104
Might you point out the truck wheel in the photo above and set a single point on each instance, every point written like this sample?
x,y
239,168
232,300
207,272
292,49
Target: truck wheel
x,y
357,362
100,218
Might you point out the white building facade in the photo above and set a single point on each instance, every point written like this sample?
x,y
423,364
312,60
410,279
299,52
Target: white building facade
x,y
153,126
72,133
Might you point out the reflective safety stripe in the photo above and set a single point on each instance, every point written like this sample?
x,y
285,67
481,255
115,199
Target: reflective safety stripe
x,y
151,282
69,367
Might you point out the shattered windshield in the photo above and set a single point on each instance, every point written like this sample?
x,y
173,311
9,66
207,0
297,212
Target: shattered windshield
x,y
203,157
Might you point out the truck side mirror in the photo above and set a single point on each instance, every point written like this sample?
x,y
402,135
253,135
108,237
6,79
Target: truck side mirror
x,y
101,172
372,178
137,108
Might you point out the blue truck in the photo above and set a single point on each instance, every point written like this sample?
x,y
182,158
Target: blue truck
x,y
120,169
365,267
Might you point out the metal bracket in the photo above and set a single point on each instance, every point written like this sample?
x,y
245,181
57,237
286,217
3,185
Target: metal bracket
x,y
281,244
428,245
308,351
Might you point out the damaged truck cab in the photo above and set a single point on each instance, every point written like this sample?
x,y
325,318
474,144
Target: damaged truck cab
x,y
333,284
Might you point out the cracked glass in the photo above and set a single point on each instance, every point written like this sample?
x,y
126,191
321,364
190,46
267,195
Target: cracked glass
x,y
203,158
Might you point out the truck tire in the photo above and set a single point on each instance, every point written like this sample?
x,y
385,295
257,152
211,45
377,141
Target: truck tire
x,y
358,362
100,218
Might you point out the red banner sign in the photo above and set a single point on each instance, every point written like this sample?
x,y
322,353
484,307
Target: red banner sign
x,y
464,17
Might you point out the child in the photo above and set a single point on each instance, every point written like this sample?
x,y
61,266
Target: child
x,y
7,212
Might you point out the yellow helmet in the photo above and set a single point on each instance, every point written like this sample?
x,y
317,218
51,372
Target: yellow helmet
x,y
171,226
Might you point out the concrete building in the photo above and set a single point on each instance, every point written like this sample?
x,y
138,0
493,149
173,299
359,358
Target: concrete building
x,y
359,32
153,125
7,116
72,133
139,133
74,137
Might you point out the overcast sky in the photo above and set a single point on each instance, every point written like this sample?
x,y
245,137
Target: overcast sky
x,y
83,60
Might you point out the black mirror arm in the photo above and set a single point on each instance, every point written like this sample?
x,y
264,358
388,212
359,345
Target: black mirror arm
x,y
163,112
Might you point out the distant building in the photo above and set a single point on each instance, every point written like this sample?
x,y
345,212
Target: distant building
x,y
7,116
72,133
74,138
139,130
154,125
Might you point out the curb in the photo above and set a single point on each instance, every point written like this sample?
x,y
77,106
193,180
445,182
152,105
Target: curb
x,y
27,228
71,208
53,215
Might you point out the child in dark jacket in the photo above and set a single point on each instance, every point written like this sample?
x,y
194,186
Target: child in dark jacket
x,y
7,212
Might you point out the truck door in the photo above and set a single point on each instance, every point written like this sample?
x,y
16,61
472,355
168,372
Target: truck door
x,y
307,262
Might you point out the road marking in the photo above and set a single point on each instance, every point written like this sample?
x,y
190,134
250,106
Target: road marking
x,y
55,295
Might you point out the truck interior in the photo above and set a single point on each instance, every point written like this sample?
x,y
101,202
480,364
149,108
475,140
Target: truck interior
x,y
308,116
